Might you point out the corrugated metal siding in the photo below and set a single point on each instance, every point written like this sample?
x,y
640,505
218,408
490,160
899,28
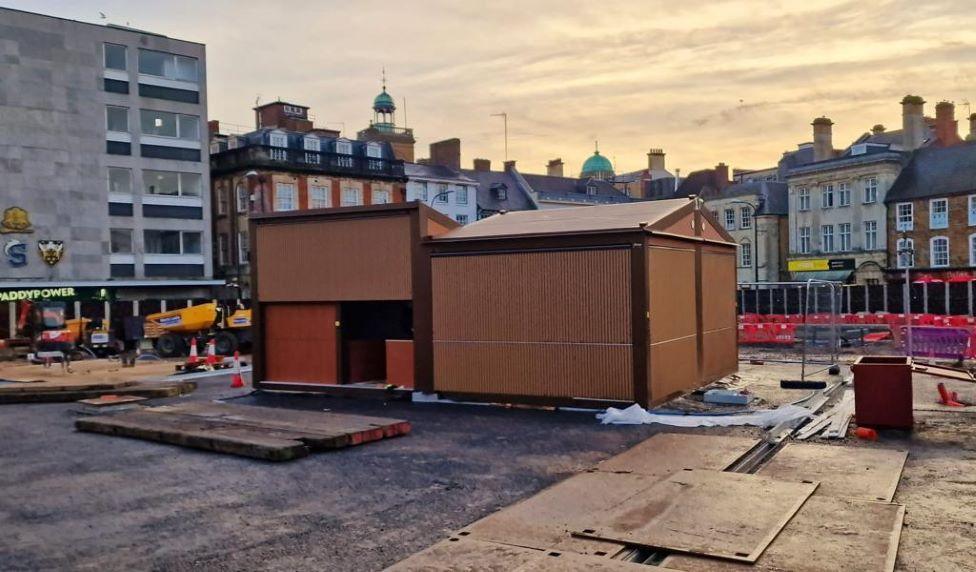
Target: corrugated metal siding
x,y
335,260
720,353
553,324
673,323
300,343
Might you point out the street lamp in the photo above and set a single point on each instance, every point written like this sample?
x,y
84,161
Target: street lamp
x,y
755,238
907,251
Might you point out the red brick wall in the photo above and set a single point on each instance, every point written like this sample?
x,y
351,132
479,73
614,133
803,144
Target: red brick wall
x,y
957,232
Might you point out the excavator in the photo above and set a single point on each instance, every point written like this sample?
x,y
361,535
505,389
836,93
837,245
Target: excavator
x,y
175,330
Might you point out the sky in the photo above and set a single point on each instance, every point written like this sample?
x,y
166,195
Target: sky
x,y
709,81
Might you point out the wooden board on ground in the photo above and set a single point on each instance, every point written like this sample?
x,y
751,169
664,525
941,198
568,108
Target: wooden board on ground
x,y
945,371
111,399
667,453
61,385
864,473
726,515
77,392
468,554
257,432
828,533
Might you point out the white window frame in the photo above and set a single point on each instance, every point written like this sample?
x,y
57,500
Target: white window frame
x,y
934,223
373,151
461,218
730,219
343,147
972,249
804,239
935,263
461,195
175,57
351,196
311,143
243,250
745,218
900,260
844,237
870,235
843,194
827,196
319,202
223,200
242,199
745,254
972,209
870,190
181,185
279,204
441,197
802,199
179,129
278,139
827,238
382,192
904,221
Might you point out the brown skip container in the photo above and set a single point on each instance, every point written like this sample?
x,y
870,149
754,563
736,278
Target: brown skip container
x,y
883,392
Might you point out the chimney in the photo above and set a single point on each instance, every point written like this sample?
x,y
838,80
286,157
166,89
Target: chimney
x,y
482,164
877,129
913,122
721,176
446,153
655,160
946,126
823,139
509,166
213,127
972,128
555,168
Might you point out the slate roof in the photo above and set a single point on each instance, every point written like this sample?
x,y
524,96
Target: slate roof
x,y
517,198
418,171
936,172
772,196
573,190
296,141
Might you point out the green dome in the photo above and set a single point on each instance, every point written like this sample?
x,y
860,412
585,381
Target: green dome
x,y
384,102
596,165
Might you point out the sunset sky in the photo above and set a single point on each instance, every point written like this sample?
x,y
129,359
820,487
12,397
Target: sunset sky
x,y
735,81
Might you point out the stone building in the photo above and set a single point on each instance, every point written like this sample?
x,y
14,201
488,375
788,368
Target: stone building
x,y
439,183
755,215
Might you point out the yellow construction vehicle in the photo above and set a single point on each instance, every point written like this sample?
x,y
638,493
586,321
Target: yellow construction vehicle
x,y
176,329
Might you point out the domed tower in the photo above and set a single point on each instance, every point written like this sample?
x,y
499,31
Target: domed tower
x,y
384,110
597,166
383,127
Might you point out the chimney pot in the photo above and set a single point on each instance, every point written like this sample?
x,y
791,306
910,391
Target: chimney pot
x,y
914,127
946,126
555,168
482,164
823,139
721,176
655,160
509,166
878,129
446,153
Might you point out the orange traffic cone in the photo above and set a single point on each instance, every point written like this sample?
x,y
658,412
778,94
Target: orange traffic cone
x,y
194,358
211,353
237,381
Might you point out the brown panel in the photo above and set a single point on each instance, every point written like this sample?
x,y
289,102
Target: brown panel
x,y
720,354
335,260
435,228
667,453
563,296
673,346
719,283
685,226
595,371
300,343
674,368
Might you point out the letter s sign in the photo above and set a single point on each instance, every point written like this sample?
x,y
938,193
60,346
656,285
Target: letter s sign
x,y
16,253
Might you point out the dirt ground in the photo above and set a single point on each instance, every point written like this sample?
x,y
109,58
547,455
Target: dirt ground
x,y
87,371
84,501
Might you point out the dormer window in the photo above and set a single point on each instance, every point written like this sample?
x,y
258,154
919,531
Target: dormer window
x,y
374,150
501,192
312,144
591,189
280,142
343,147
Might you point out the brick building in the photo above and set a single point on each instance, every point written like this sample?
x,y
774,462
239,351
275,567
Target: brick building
x,y
288,164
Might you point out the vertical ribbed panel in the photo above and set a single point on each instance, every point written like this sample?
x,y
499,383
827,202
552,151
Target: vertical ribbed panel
x,y
673,321
553,324
335,260
720,353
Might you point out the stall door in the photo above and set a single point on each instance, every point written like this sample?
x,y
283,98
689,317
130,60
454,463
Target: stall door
x,y
300,343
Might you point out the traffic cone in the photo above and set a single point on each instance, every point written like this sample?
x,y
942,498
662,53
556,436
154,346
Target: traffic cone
x,y
194,358
945,398
237,381
211,353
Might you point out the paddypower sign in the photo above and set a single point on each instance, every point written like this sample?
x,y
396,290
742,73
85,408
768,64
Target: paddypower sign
x,y
36,294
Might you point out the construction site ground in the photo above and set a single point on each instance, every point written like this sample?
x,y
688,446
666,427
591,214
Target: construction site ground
x,y
84,501
88,371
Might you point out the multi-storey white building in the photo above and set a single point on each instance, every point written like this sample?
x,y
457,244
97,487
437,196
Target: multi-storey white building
x,y
444,189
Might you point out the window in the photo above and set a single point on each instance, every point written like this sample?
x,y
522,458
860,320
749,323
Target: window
x,y
243,250
870,235
729,219
745,217
120,241
171,242
844,195
972,250
803,199
286,197
166,124
461,195
422,191
827,238
278,139
223,200
804,240
827,197
745,254
351,196
119,180
344,148
844,232
590,189
905,216
117,119
441,196
871,190
372,150
319,197
939,251
461,219
169,66
972,210
381,195
223,249
906,252
312,147
939,213
114,57
243,200
172,183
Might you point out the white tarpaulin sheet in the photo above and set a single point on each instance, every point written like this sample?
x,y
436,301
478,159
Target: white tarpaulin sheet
x,y
637,415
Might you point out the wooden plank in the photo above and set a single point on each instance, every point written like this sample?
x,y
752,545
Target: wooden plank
x,y
865,473
547,519
201,434
67,385
943,371
111,399
458,553
667,453
828,533
146,390
721,514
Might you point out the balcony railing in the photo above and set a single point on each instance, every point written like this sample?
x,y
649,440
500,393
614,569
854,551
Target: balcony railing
x,y
253,156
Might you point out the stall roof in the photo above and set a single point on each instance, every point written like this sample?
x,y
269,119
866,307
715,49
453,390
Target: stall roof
x,y
653,215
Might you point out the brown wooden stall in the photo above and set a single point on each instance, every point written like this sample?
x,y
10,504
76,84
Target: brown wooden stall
x,y
617,303
332,288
